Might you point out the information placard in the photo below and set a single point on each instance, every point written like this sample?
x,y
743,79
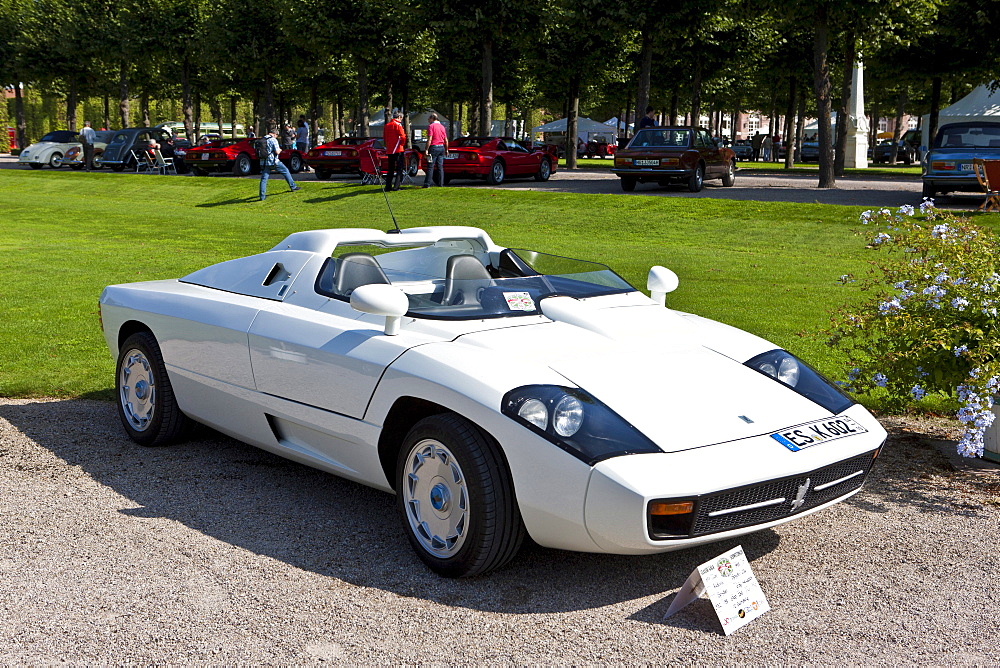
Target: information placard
x,y
732,588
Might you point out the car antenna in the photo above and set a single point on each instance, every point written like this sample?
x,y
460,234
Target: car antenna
x,y
397,230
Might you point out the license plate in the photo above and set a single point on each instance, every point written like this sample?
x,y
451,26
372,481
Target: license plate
x,y
331,152
449,156
966,167
204,156
646,163
821,431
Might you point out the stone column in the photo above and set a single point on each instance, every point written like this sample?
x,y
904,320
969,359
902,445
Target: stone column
x,y
857,127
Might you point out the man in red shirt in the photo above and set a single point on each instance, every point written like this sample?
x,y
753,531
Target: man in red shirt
x,y
437,146
395,142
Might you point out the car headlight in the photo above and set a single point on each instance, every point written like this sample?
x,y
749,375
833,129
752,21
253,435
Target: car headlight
x,y
796,374
575,421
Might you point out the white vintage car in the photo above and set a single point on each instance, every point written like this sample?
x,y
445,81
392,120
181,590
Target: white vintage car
x,y
49,150
495,391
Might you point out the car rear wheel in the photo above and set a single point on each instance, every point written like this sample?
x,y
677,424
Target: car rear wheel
x,y
413,166
928,191
497,172
628,184
729,178
242,166
456,498
323,174
697,180
544,170
56,160
97,162
295,163
146,404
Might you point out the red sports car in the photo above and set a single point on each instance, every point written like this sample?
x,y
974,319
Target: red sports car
x,y
495,159
674,155
237,156
343,156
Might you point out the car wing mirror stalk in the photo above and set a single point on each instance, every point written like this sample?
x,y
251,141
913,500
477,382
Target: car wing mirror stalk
x,y
384,300
659,282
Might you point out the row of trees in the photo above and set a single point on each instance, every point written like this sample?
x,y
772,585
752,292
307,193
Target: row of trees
x,y
785,57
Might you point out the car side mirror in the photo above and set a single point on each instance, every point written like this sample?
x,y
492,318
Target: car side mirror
x,y
384,300
659,282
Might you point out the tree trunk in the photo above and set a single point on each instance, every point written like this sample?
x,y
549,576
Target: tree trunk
x,y
215,109
197,116
461,117
673,107
844,111
123,93
71,106
696,96
144,108
406,113
486,104
314,111
508,123
571,120
897,126
800,124
22,127
645,68
106,119
186,102
789,120
338,117
267,111
363,96
932,122
387,112
451,119
821,83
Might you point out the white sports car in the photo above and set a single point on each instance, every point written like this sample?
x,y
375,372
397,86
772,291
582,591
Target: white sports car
x,y
495,391
49,150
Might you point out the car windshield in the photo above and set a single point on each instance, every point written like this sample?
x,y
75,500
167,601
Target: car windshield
x,y
969,135
660,137
471,142
351,141
455,280
60,136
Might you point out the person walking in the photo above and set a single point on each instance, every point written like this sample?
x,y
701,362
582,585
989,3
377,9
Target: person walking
x,y
395,143
87,136
269,160
302,139
765,146
437,146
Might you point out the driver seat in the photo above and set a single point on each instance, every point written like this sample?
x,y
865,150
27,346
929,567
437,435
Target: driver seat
x,y
355,270
464,274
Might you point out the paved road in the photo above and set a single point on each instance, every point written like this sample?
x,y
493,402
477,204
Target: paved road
x,y
756,185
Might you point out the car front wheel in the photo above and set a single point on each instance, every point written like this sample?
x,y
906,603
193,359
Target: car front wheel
x,y
697,180
413,166
295,163
146,404
456,498
497,171
56,160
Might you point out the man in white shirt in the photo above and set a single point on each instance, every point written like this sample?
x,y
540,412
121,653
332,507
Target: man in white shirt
x,y
87,137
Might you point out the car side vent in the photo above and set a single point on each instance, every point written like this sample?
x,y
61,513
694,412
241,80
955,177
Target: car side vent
x,y
278,274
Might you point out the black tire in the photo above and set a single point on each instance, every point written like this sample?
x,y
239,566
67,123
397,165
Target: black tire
x,y
35,165
295,163
486,530
697,180
447,180
628,184
544,170
76,168
118,168
147,407
497,172
928,191
97,162
198,171
413,165
56,160
323,174
243,165
729,178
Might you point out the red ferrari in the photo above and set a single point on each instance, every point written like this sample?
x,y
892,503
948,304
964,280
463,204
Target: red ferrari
x,y
495,159
237,156
343,156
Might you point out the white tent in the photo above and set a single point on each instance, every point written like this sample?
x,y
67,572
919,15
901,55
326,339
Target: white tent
x,y
586,129
418,121
979,105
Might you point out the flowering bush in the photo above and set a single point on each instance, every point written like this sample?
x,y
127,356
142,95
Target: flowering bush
x,y
930,324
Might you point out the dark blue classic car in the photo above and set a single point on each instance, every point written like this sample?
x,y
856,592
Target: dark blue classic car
x,y
947,166
118,153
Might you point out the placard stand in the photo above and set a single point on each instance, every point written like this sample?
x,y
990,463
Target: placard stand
x,y
732,588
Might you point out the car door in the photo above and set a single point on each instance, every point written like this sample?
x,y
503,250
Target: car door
x,y
518,159
710,152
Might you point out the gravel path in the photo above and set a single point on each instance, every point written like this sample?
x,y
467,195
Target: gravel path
x,y
216,552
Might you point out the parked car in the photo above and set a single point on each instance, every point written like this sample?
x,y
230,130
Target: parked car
x,y
343,156
600,148
12,138
947,166
674,154
74,156
495,159
49,150
497,393
742,150
809,151
118,154
907,149
237,156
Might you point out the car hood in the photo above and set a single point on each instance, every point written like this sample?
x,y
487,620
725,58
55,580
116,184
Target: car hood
x,y
653,368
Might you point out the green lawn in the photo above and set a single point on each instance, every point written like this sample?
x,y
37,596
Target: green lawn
x,y
769,268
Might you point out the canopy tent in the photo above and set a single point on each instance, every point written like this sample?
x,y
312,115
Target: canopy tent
x,y
979,105
585,128
418,121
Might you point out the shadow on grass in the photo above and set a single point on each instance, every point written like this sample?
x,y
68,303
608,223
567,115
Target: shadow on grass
x,y
240,200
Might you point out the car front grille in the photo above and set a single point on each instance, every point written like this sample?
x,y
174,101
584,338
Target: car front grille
x,y
777,499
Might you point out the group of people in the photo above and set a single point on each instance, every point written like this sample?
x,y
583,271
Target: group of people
x,y
394,137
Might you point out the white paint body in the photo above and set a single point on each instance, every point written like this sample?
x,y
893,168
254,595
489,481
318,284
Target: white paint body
x,y
255,351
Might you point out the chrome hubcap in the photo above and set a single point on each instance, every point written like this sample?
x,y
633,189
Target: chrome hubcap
x,y
137,390
436,498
